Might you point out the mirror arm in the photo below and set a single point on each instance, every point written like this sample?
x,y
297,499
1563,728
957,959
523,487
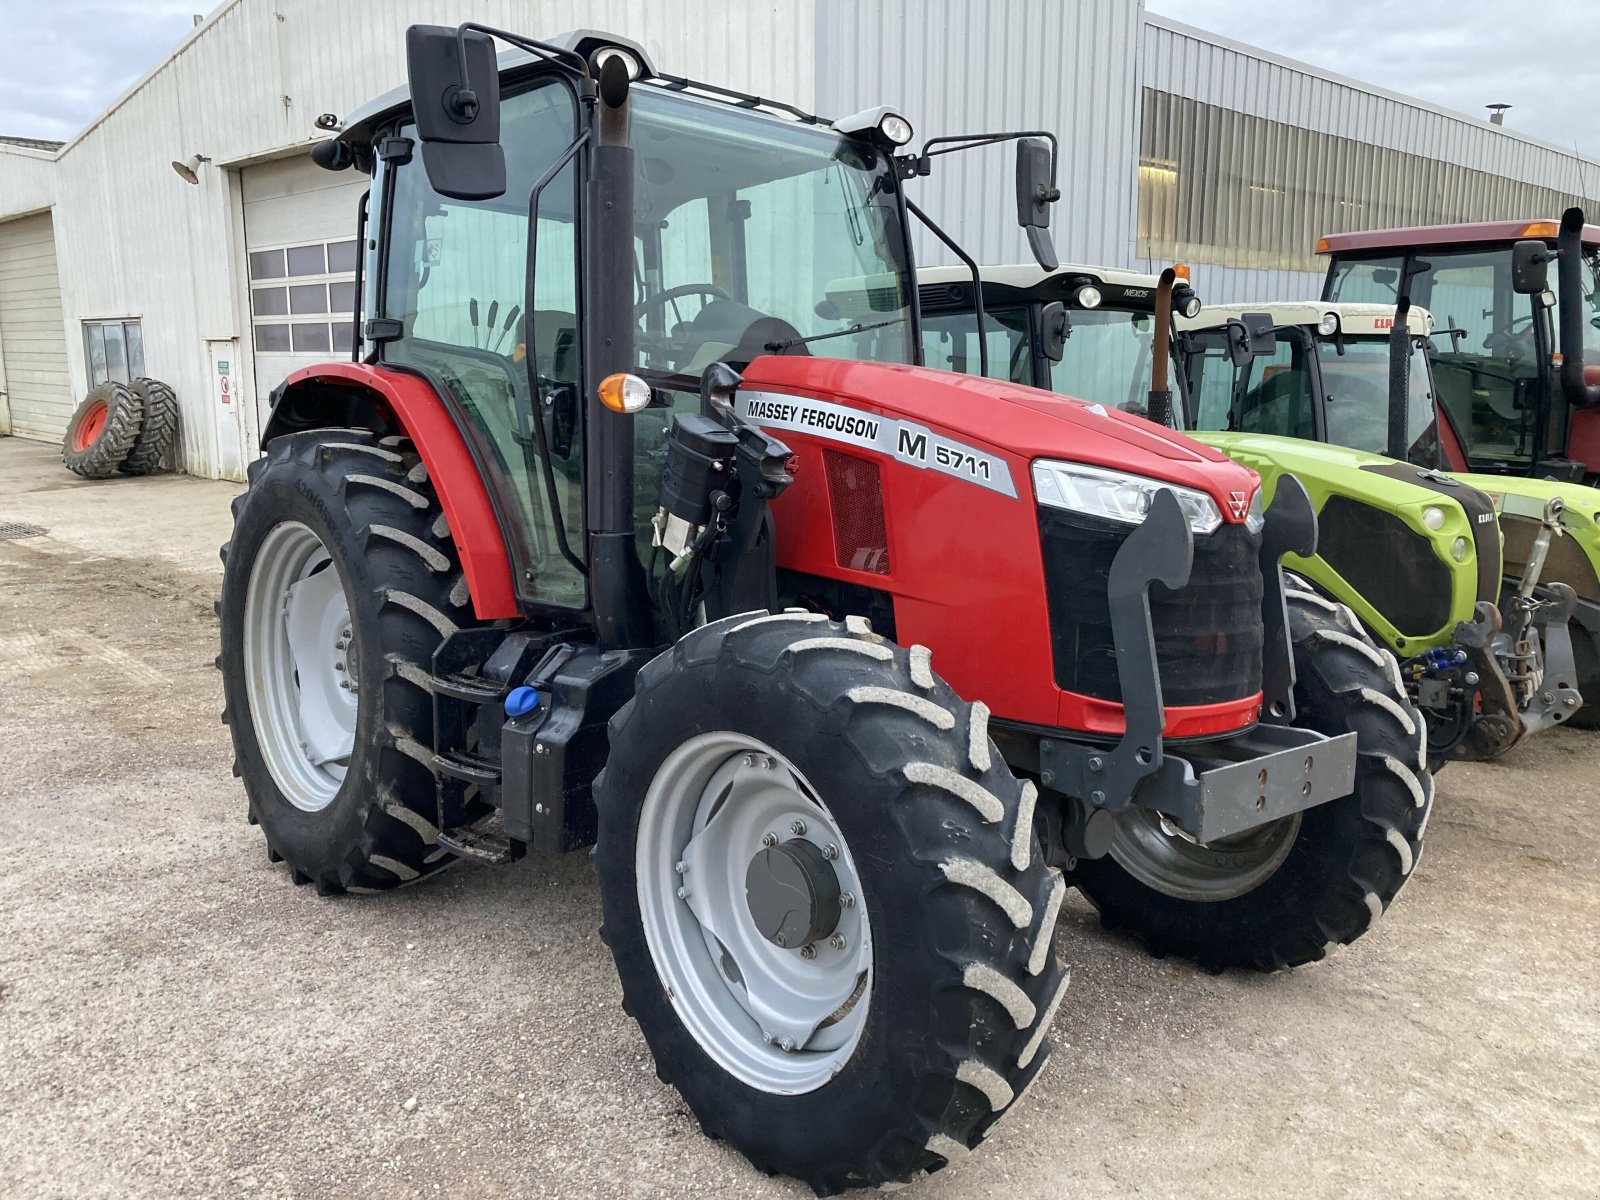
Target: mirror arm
x,y
977,281
560,55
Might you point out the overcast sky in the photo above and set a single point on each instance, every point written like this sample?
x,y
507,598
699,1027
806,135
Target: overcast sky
x,y
65,60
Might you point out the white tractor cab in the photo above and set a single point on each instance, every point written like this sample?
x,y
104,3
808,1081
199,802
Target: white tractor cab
x,y
1030,315
1287,388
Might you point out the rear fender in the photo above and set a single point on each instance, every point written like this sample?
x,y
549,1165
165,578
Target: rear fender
x,y
356,395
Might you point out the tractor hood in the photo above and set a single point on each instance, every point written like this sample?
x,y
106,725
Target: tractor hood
x,y
1011,420
1575,559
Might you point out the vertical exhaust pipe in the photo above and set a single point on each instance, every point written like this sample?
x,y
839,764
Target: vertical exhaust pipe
x,y
617,588
1160,407
1569,279
1399,442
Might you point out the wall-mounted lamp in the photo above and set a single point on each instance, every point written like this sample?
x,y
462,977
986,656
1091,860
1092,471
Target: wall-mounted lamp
x,y
188,169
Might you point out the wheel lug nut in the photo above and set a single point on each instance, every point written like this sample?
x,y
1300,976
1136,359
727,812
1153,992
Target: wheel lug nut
x,y
338,666
749,760
683,893
837,941
767,1037
779,940
830,851
808,951
797,827
769,840
786,1044
847,900
681,867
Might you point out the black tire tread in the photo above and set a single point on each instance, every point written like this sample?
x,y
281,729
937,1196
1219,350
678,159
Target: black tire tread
x,y
124,417
157,430
398,842
1365,845
923,735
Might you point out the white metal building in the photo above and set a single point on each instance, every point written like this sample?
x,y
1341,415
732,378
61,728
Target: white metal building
x,y
112,265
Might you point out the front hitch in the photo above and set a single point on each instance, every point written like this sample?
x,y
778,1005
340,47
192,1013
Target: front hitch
x,y
1221,787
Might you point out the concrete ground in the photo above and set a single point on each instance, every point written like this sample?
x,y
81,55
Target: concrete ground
x,y
176,1019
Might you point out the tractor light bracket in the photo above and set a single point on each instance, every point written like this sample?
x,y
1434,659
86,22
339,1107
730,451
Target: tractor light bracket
x,y
1289,527
1160,548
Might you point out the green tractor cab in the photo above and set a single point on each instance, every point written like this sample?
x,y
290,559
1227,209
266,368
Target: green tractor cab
x,y
1413,555
1326,375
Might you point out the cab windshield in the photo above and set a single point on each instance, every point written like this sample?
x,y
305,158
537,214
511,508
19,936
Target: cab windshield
x,y
1491,374
1276,393
1107,359
754,234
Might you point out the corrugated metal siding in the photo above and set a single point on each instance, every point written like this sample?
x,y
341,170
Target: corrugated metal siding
x,y
1190,62
133,240
1234,285
954,67
31,346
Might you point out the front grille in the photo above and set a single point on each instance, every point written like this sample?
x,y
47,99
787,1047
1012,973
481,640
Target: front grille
x,y
1392,566
1208,633
855,494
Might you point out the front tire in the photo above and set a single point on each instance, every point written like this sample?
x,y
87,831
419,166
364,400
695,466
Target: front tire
x,y
752,736
1285,894
340,581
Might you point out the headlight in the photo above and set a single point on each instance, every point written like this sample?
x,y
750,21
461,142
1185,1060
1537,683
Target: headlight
x,y
1433,518
1458,550
1257,516
1329,325
1189,307
1116,495
1088,296
895,128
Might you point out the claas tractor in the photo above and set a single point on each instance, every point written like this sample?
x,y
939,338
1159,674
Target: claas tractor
x,y
1416,552
623,527
1408,555
1517,385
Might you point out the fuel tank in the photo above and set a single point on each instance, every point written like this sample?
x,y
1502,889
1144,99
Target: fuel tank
x,y
918,484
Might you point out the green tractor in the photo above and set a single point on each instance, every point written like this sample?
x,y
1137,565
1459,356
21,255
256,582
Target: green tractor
x,y
1335,373
1516,385
1409,554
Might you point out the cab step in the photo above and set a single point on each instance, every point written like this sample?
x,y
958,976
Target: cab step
x,y
485,843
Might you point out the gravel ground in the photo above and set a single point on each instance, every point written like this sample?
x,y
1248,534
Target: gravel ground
x,y
176,1019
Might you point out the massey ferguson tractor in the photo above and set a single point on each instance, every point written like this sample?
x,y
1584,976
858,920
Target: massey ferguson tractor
x,y
1516,367
624,527
1410,553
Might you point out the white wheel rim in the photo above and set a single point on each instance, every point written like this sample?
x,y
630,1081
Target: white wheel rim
x,y
741,997
300,665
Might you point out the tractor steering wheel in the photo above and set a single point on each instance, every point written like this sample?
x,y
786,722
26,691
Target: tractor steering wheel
x,y
1511,339
673,293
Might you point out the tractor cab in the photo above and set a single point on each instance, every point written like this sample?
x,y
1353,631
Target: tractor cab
x,y
1497,345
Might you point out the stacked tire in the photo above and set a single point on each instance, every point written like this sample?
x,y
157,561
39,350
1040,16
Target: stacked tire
x,y
121,427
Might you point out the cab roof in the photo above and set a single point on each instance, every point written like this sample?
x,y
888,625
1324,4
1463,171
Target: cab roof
x,y
1468,234
1028,276
1355,320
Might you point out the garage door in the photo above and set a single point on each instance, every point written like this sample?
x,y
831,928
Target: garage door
x,y
300,230
33,343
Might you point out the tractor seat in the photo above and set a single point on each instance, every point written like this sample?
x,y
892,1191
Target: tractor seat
x,y
727,331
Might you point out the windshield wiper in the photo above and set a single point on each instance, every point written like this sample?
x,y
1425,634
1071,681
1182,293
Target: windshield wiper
x,y
778,347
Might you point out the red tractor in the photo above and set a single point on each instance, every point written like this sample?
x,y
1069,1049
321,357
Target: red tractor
x,y
533,571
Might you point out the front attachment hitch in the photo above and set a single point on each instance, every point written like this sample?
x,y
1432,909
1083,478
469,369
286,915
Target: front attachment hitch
x,y
1290,527
1218,788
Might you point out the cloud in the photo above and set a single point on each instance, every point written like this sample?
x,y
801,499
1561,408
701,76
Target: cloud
x,y
67,60
1541,56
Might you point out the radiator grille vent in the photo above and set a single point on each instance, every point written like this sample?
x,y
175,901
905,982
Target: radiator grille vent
x,y
855,495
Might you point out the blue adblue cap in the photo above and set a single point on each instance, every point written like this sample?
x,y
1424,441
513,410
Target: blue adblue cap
x,y
522,701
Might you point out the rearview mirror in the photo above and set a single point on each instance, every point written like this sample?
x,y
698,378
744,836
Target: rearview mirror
x,y
1054,329
1530,267
458,120
1036,192
1250,335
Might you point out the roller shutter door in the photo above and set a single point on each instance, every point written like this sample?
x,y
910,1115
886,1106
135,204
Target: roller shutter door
x,y
33,343
300,230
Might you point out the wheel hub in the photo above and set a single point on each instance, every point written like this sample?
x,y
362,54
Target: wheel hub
x,y
793,893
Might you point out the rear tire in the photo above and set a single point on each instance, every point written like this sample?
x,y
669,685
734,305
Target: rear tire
x,y
102,431
961,981
369,507
1346,860
156,431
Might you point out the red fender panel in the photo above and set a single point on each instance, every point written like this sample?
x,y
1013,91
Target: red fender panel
x,y
473,524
